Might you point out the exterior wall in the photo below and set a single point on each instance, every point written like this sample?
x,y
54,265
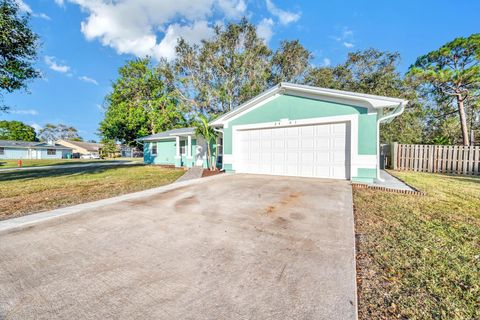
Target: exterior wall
x,y
165,152
44,155
298,108
15,153
20,153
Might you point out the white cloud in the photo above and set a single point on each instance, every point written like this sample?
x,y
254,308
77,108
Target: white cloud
x,y
285,17
135,26
61,3
28,112
89,80
192,34
326,62
52,64
26,8
346,38
232,8
152,27
36,126
264,29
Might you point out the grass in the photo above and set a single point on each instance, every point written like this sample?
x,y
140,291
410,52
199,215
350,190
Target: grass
x,y
23,192
45,162
419,256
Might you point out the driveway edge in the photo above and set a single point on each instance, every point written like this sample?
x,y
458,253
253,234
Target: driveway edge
x,y
16,224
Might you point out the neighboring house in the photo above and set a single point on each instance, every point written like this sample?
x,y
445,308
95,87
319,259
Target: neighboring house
x,y
291,130
179,147
129,152
32,150
81,148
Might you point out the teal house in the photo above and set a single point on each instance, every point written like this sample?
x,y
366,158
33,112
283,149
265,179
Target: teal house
x,y
289,130
180,148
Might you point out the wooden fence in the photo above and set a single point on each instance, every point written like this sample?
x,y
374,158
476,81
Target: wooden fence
x,y
436,158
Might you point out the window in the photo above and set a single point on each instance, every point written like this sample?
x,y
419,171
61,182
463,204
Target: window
x,y
51,152
153,151
2,150
220,146
183,148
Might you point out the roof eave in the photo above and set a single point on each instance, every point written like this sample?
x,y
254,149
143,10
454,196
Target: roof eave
x,y
375,102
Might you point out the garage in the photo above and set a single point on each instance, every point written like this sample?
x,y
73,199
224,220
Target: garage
x,y
319,151
305,131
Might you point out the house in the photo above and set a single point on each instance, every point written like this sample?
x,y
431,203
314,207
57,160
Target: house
x,y
178,147
32,150
81,148
291,130
125,151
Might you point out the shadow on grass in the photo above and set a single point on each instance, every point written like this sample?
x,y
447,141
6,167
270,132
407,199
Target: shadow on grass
x,y
33,163
60,172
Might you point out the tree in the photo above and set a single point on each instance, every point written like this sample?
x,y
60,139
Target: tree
x,y
140,104
60,131
375,72
222,72
109,148
452,71
290,62
18,49
16,130
202,129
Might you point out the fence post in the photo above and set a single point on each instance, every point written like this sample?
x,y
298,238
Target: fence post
x,y
393,155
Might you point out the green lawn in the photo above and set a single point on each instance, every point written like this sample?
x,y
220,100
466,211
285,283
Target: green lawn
x,y
419,256
46,162
23,192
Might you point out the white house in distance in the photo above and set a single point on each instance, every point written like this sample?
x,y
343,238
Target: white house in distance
x,y
10,149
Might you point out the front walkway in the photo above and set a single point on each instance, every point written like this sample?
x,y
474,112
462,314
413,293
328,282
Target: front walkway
x,y
192,173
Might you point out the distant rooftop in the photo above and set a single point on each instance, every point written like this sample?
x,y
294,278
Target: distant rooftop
x,y
29,144
89,146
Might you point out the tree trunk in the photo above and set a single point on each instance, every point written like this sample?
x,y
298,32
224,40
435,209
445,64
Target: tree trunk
x,y
209,157
463,120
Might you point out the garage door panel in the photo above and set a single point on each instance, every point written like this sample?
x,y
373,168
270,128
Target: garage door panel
x,y
311,151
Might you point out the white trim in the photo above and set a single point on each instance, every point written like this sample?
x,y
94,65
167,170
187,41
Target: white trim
x,y
356,160
189,146
177,147
151,149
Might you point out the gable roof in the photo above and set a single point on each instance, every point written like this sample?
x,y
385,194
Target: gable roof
x,y
168,134
89,146
359,99
29,144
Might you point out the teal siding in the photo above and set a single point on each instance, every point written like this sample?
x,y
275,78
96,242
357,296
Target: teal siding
x,y
296,108
165,152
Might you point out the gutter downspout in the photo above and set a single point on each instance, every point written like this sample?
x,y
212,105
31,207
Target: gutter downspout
x,y
395,113
220,131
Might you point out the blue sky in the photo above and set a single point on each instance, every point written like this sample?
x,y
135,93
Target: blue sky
x,y
84,42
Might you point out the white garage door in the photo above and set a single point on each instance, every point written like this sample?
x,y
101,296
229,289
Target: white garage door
x,y
320,151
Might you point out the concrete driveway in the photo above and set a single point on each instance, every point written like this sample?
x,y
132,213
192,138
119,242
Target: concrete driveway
x,y
234,247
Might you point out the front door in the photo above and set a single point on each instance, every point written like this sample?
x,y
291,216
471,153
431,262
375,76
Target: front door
x,y
200,152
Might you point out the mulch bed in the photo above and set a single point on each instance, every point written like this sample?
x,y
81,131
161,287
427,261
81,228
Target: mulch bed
x,y
208,173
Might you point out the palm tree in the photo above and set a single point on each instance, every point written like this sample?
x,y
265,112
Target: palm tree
x,y
202,129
